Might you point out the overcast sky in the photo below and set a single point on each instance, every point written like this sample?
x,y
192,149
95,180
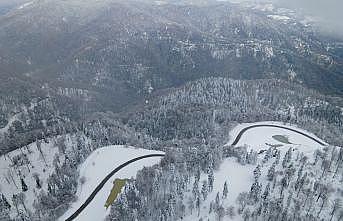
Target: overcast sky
x,y
330,11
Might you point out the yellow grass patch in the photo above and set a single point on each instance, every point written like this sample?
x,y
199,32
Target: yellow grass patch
x,y
118,185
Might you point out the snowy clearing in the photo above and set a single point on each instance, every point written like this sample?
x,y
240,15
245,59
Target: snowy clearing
x,y
100,163
256,138
239,179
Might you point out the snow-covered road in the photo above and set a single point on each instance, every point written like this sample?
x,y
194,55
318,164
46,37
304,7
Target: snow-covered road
x,y
257,135
100,169
238,137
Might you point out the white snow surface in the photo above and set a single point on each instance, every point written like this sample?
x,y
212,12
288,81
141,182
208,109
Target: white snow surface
x,y
279,17
10,175
25,5
239,179
256,138
96,167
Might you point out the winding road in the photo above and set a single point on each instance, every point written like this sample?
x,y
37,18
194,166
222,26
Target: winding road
x,y
104,181
277,126
238,137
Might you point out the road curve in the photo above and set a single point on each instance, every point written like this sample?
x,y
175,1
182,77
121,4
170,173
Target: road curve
x,y
104,181
271,125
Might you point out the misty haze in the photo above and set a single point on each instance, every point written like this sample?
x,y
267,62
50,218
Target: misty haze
x,y
171,110
328,13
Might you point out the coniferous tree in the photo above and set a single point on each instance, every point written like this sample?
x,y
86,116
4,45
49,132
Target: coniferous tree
x,y
337,204
217,201
4,208
255,191
23,185
287,158
195,190
271,172
225,190
278,156
210,179
257,173
197,204
266,192
190,204
204,190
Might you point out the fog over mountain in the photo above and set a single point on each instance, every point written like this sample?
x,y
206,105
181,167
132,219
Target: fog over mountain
x,y
329,12
7,5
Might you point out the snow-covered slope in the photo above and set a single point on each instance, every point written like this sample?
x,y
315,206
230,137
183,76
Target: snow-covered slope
x,y
240,177
23,164
100,163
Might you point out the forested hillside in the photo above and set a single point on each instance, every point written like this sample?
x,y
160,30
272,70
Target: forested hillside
x,y
113,55
178,77
200,108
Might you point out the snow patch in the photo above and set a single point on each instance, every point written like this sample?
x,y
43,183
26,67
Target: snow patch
x,y
161,2
25,5
9,124
265,7
279,17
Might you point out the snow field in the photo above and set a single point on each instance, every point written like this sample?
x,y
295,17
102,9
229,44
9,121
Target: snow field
x,y
96,167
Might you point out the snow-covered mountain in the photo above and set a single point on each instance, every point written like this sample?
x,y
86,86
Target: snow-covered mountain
x,y
81,79
88,56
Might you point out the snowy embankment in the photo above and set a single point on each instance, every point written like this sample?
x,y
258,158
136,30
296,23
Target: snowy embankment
x,y
241,177
97,166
